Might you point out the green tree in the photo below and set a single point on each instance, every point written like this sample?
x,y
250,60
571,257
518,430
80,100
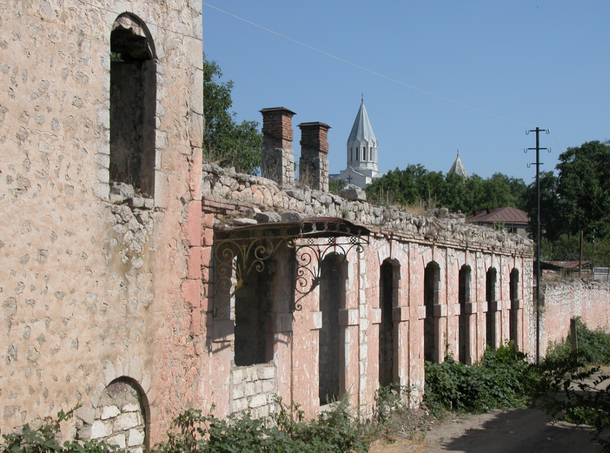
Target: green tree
x,y
583,189
550,207
578,198
226,142
417,186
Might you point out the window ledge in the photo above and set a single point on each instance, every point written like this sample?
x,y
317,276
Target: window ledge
x,y
133,202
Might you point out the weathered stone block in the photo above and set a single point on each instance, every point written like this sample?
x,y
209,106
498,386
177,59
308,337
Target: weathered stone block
x,y
100,429
266,372
136,437
126,421
109,412
238,391
86,414
250,389
317,319
258,401
118,440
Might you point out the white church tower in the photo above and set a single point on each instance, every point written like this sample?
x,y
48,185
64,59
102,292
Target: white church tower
x,y
361,152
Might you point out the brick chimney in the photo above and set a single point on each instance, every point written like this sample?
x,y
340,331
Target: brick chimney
x,y
277,154
313,165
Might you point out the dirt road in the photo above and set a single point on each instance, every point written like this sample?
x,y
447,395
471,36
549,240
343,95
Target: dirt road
x,y
514,431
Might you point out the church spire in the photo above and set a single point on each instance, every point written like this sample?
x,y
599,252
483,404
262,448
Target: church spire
x,y
458,167
362,156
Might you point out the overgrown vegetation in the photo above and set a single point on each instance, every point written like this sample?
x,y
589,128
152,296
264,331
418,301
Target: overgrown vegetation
x,y
335,186
502,379
577,390
566,384
43,437
593,347
332,432
567,248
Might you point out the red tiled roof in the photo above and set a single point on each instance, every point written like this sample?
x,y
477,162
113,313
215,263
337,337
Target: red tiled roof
x,y
506,215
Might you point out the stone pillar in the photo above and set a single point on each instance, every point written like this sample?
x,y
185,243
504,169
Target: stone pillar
x,y
313,165
277,154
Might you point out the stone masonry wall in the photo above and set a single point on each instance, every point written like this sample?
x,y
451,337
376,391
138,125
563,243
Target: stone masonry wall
x,y
253,388
563,301
226,184
91,282
409,242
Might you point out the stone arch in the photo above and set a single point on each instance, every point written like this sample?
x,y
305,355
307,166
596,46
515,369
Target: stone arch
x,y
122,416
465,279
432,287
389,296
133,95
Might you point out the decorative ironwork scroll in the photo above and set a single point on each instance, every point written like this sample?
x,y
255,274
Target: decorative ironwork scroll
x,y
248,249
309,257
240,254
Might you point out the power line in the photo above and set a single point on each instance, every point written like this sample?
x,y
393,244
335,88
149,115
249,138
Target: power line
x,y
363,68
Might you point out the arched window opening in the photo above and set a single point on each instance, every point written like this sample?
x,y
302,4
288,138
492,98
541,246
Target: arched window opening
x,y
252,308
332,298
464,325
490,291
514,310
132,108
432,281
126,422
364,153
388,334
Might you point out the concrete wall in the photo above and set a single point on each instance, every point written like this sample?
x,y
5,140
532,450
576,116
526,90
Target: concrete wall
x,y
563,301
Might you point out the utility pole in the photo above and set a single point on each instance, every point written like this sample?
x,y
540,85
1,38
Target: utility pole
x,y
538,163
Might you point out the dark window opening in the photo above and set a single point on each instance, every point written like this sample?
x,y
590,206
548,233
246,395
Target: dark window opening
x,y
464,325
432,282
132,108
332,298
514,312
388,372
252,308
490,292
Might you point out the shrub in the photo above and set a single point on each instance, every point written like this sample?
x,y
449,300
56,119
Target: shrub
x,y
44,439
502,379
286,432
593,346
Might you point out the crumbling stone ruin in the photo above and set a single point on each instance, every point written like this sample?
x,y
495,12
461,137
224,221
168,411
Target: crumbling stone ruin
x,y
137,281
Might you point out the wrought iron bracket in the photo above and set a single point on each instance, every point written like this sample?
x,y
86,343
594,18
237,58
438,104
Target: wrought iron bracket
x,y
243,250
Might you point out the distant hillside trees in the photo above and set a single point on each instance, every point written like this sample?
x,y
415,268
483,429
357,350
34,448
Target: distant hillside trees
x,y
225,141
417,186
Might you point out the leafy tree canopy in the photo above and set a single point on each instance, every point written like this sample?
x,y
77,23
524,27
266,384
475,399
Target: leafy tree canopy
x,y
578,198
226,142
417,186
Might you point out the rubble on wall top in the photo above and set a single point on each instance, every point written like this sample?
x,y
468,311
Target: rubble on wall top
x,y
255,197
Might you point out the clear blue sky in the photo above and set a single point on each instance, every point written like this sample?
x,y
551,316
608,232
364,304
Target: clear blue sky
x,y
530,63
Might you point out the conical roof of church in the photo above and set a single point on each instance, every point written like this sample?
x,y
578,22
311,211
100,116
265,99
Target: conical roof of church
x,y
362,129
458,168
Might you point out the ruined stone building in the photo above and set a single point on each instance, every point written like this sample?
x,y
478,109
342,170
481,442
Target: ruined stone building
x,y
137,281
